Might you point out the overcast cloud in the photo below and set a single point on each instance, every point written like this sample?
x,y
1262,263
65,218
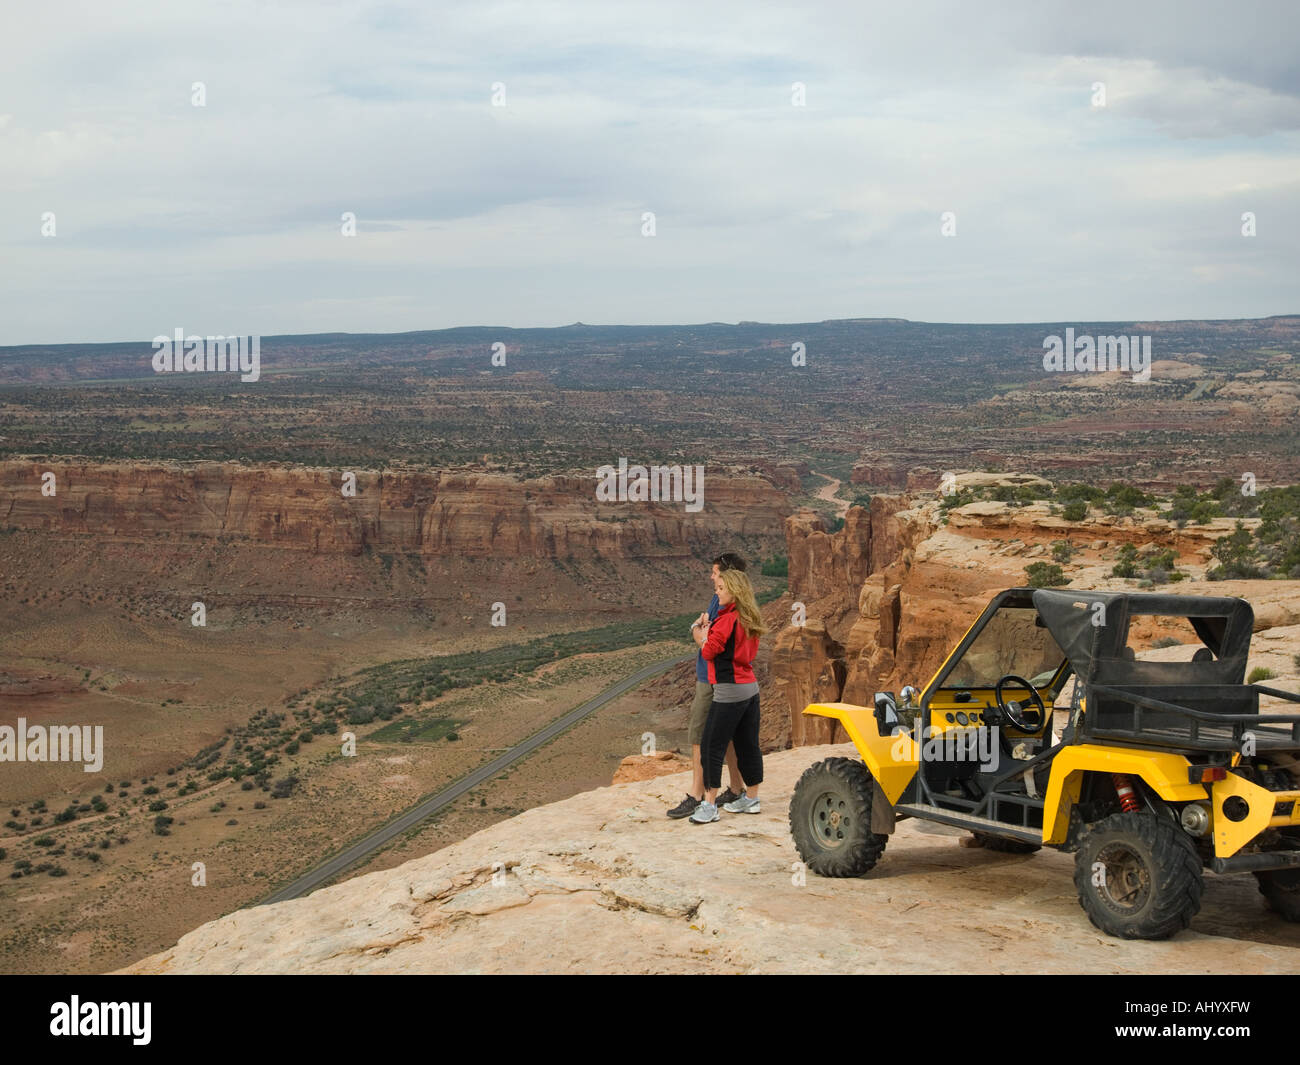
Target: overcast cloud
x,y
226,218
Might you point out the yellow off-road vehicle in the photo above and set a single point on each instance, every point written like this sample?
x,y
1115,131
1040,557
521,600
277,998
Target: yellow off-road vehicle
x,y
1162,768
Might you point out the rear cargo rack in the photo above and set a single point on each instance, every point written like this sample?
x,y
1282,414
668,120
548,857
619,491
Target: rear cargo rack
x,y
1132,715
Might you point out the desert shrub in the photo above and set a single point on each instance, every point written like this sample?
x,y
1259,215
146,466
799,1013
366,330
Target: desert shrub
x,y
44,841
1126,564
777,566
1063,551
1205,511
1076,511
1236,555
1086,493
1167,641
283,787
956,499
162,825
154,807
1045,575
1154,565
1260,673
1127,496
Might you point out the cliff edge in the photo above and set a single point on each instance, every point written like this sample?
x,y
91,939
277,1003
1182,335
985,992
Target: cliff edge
x,y
604,883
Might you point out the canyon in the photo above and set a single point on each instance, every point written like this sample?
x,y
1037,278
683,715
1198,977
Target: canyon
x,y
886,597
435,514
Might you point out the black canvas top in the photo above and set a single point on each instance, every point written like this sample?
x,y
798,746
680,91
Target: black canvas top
x,y
1092,629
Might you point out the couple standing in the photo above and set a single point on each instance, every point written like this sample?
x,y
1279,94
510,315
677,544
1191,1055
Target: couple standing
x,y
724,715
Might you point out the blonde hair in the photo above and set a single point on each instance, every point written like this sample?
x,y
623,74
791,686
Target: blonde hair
x,y
746,606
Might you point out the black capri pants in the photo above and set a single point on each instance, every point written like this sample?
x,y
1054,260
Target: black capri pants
x,y
732,723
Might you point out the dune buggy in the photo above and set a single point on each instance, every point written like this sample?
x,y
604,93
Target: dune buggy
x,y
1161,770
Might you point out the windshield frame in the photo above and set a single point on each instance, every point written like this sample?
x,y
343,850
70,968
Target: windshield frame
x,y
1013,598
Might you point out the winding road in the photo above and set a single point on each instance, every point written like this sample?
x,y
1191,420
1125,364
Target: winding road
x,y
366,845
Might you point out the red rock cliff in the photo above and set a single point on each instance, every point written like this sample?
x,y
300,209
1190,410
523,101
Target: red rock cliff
x,y
439,514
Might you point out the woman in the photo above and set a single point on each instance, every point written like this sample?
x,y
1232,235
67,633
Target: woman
x,y
728,644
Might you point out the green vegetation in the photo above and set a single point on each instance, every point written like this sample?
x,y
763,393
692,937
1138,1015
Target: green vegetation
x,y
1045,575
1153,565
1237,555
1260,673
430,730
777,566
1225,499
955,499
416,679
1063,551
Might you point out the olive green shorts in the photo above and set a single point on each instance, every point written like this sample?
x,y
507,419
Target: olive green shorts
x,y
700,712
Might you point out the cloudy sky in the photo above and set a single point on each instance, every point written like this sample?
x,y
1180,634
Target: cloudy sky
x,y
226,218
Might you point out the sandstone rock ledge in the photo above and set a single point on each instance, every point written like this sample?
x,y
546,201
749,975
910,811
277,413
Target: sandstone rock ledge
x,y
604,883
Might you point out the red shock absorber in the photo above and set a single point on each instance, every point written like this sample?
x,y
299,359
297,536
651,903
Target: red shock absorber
x,y
1128,800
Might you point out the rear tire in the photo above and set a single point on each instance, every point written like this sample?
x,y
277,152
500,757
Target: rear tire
x,y
1281,889
830,818
1138,876
1005,846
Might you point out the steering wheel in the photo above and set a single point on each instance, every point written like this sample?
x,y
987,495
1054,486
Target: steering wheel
x,y
1013,712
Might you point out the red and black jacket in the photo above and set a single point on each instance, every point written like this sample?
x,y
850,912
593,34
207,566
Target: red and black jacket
x,y
729,650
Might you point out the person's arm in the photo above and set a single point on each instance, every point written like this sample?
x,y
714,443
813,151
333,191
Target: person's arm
x,y
717,636
700,632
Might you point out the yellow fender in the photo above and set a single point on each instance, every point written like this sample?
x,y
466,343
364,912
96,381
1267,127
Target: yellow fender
x,y
1165,773
892,760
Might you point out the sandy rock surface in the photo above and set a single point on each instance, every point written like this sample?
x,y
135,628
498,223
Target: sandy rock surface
x,y
605,883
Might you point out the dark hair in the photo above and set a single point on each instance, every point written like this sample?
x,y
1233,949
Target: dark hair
x,y
730,560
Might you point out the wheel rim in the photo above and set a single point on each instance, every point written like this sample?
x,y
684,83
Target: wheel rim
x,y
1127,882
830,819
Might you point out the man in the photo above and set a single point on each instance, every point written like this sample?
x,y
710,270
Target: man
x,y
700,709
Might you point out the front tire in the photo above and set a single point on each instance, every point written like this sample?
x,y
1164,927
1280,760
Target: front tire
x,y
830,818
1138,876
1281,889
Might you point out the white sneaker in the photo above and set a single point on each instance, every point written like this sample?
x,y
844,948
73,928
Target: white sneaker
x,y
704,814
743,805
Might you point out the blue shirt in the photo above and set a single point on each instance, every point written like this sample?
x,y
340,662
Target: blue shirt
x,y
701,666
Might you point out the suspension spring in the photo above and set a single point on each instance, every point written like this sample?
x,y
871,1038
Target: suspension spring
x,y
1128,800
